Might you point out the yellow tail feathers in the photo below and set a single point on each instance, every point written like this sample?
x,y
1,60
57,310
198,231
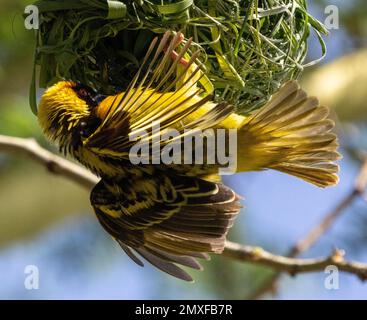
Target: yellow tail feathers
x,y
291,133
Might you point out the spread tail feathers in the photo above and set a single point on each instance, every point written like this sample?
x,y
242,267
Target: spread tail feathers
x,y
292,134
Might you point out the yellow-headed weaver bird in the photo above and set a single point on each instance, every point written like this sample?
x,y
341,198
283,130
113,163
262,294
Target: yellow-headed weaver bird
x,y
173,214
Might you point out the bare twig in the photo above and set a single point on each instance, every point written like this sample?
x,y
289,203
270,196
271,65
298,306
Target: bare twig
x,y
321,228
293,266
50,161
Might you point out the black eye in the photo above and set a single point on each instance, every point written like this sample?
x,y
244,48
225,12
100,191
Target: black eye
x,y
83,125
84,132
88,126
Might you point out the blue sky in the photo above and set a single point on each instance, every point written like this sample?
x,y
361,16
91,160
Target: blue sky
x,y
77,260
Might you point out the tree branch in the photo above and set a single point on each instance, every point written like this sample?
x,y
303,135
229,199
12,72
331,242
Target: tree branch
x,y
291,265
53,163
57,165
321,228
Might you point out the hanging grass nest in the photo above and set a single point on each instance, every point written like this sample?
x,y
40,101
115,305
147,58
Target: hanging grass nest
x,y
249,47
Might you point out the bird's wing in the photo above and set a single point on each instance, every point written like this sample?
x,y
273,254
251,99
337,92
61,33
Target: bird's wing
x,y
161,92
169,220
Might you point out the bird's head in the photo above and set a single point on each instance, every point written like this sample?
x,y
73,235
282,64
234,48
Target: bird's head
x,y
64,111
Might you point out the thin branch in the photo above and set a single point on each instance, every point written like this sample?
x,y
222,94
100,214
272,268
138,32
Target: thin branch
x,y
57,165
53,163
291,265
320,229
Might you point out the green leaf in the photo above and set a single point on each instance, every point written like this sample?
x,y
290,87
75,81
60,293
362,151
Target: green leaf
x,y
174,8
116,9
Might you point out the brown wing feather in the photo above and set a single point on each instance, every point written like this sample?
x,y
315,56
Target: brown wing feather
x,y
169,220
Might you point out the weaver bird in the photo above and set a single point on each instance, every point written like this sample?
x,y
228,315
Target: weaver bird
x,y
172,214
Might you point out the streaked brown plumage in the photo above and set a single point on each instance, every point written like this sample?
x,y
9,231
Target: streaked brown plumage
x,y
166,218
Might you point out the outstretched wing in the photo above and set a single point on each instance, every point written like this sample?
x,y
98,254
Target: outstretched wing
x,y
169,220
161,92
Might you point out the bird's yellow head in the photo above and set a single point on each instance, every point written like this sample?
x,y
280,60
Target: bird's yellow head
x,y
64,110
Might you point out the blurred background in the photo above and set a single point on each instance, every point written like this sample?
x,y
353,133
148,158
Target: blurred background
x,y
47,221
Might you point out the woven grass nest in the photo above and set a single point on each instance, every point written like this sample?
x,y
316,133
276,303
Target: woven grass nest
x,y
249,47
